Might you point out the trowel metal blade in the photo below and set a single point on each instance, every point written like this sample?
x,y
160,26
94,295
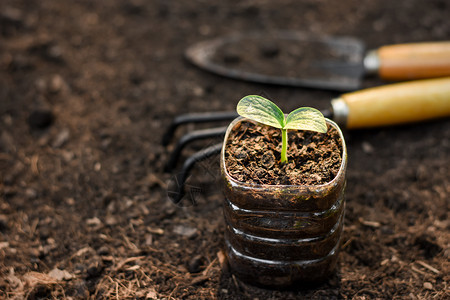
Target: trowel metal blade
x,y
284,58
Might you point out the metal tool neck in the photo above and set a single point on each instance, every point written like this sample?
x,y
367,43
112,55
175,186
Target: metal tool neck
x,y
340,111
371,62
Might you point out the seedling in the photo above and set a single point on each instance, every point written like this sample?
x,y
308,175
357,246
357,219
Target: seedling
x,y
266,112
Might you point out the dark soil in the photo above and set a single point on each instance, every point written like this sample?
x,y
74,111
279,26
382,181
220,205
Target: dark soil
x,y
87,89
253,156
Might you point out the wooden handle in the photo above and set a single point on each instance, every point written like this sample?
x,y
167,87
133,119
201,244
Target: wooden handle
x,y
398,103
414,61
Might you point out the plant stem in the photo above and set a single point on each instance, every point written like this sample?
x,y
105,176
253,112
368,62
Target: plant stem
x,y
284,138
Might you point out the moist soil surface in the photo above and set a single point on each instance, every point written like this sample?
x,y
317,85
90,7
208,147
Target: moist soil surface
x,y
87,89
253,155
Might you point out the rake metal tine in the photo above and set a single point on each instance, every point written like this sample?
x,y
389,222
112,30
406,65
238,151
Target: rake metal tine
x,y
196,118
182,176
188,138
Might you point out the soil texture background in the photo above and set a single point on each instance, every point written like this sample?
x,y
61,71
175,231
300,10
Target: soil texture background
x,y
87,89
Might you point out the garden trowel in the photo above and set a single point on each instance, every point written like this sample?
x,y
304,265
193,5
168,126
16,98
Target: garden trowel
x,y
335,63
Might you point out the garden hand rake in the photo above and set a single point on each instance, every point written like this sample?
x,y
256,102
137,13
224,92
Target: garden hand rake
x,y
387,105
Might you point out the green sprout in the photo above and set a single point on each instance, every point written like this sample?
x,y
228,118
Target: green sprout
x,y
266,112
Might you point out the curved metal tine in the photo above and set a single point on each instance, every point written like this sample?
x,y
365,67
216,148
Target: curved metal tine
x,y
196,118
181,177
188,138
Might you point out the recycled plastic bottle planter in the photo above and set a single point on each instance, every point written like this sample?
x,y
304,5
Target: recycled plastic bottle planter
x,y
282,235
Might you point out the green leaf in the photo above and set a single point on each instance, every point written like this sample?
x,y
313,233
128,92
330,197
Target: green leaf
x,y
306,118
261,110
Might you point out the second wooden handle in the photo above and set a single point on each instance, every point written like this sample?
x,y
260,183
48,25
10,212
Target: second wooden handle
x,y
414,61
398,103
